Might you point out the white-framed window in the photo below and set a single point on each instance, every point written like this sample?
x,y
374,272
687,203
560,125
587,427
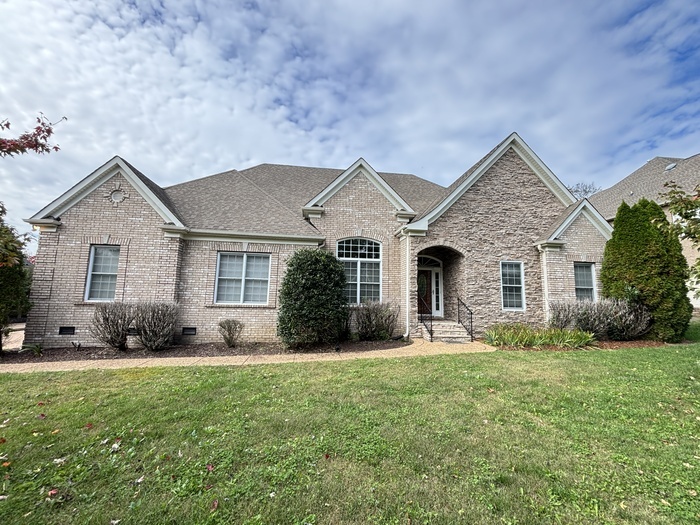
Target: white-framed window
x,y
512,285
242,278
362,259
584,281
102,273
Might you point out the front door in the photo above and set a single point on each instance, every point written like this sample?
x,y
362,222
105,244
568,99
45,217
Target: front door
x,y
430,291
425,292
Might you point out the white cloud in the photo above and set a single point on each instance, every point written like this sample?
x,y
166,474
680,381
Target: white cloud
x,y
183,89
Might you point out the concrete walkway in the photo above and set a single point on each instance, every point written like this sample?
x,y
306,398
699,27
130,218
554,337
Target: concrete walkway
x,y
419,347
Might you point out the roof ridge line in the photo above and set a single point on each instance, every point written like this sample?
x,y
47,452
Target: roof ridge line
x,y
281,204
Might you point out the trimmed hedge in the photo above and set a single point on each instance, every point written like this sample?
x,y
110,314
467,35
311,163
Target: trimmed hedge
x,y
312,299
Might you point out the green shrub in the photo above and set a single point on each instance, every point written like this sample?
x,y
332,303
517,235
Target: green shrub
x,y
111,323
521,335
644,263
615,319
230,330
312,299
155,324
376,321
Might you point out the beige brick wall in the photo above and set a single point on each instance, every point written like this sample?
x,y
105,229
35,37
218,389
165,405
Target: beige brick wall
x,y
359,209
583,243
147,262
498,219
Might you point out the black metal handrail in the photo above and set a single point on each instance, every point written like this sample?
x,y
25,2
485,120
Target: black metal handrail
x,y
429,316
465,317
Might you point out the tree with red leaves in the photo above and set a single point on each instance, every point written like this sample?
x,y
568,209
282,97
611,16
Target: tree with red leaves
x,y
36,140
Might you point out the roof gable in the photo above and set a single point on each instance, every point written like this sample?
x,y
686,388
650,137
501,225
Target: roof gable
x,y
469,178
567,218
150,191
359,167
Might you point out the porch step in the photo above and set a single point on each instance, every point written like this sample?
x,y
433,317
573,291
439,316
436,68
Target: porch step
x,y
448,332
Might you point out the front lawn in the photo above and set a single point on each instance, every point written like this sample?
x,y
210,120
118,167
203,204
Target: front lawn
x,y
591,436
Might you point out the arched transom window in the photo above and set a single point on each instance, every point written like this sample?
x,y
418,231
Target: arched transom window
x,y
362,259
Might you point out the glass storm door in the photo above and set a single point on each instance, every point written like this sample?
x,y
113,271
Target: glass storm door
x,y
430,286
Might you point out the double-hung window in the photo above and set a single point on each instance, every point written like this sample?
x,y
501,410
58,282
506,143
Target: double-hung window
x,y
102,273
512,285
242,278
584,279
363,270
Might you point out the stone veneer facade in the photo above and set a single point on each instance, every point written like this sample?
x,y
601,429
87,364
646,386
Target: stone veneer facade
x,y
492,222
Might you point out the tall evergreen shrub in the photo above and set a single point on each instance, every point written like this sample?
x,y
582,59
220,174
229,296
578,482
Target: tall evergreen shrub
x,y
644,263
312,299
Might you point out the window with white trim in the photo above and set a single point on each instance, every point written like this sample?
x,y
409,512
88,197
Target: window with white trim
x,y
102,273
242,278
362,260
584,281
512,285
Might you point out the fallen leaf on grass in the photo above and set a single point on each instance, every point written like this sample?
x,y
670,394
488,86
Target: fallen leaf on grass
x,y
2,440
210,467
53,492
89,426
56,431
7,463
41,416
214,505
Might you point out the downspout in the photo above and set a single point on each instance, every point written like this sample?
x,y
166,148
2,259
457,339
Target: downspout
x,y
545,279
408,288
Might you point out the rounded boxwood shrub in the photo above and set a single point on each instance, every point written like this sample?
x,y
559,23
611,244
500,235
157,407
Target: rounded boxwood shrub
x,y
312,299
644,263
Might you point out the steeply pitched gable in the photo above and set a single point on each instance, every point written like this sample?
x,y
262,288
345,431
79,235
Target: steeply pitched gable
x,y
567,218
469,178
149,190
360,167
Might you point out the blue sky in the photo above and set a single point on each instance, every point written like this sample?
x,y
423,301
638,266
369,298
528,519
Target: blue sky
x,y
187,88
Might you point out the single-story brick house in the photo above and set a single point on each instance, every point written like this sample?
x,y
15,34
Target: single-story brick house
x,y
504,239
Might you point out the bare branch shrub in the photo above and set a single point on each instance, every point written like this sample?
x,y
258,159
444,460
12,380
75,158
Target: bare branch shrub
x,y
230,330
111,322
615,319
376,321
155,324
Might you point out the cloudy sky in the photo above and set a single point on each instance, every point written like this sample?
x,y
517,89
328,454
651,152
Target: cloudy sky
x,y
188,88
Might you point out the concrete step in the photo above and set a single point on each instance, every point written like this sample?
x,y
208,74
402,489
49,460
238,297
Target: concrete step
x,y
448,331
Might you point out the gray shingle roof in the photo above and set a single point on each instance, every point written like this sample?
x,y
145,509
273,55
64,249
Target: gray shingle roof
x,y
648,182
268,198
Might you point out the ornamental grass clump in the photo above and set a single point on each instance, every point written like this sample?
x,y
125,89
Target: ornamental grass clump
x,y
520,335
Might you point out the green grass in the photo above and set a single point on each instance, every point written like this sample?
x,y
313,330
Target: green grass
x,y
507,437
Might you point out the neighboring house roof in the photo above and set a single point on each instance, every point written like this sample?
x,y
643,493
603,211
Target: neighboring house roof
x,y
648,183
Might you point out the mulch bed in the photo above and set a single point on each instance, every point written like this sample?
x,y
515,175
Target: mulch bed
x,y
198,350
